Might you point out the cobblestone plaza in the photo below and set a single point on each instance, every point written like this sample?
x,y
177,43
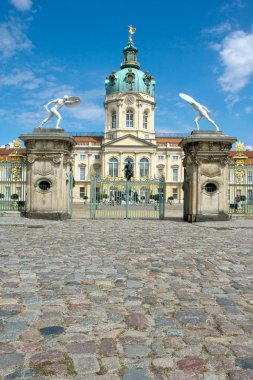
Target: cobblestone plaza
x,y
126,299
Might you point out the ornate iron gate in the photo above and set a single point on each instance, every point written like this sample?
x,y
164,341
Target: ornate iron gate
x,y
119,198
12,186
241,188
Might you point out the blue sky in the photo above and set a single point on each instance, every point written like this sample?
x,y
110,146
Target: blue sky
x,y
49,48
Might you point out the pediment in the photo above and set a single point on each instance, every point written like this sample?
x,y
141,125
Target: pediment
x,y
129,140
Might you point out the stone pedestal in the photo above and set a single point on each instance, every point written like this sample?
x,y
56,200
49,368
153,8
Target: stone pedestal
x,y
49,175
206,175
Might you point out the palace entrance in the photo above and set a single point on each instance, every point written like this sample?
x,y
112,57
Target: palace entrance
x,y
119,198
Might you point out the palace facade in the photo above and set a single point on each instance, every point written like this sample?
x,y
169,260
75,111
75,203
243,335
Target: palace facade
x,y
129,135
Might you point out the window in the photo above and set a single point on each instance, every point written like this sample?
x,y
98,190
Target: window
x,y
174,158
144,167
175,174
210,187
250,177
160,157
82,173
97,170
129,159
7,192
146,137
44,185
81,192
18,191
145,120
250,195
82,156
113,167
129,119
114,119
175,193
111,136
97,156
8,174
160,170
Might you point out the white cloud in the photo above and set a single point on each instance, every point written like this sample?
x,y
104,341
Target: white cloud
x,y
13,38
233,4
249,109
21,78
22,5
248,147
236,53
89,111
218,29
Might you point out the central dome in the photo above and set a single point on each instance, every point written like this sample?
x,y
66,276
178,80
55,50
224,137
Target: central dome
x,y
130,77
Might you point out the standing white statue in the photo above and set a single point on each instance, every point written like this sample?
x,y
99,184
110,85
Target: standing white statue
x,y
202,110
68,101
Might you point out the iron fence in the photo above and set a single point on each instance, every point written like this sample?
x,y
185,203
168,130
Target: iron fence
x,y
240,195
119,198
12,186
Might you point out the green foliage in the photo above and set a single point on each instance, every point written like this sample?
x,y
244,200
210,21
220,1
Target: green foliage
x,y
14,196
156,197
243,198
73,182
85,197
171,198
1,196
104,196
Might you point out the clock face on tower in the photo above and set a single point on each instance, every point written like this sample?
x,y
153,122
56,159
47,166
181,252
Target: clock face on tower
x,y
129,100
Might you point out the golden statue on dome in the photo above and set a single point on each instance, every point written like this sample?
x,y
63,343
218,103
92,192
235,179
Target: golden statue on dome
x,y
131,32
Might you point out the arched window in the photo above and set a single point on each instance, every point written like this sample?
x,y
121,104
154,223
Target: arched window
x,y
144,167
145,120
114,120
129,159
113,167
129,119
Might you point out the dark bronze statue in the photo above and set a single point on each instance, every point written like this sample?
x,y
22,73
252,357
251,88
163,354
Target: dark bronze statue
x,y
128,169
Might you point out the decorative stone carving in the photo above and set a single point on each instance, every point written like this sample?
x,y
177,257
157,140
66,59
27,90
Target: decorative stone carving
x,y
206,164
48,184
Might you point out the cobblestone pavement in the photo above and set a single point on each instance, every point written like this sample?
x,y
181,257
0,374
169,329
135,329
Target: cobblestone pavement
x,y
126,299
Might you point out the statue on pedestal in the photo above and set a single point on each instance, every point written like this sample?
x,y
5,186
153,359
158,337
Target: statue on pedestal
x,y
128,169
202,110
68,101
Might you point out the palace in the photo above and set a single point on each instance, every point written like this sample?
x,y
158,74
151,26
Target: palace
x,y
129,135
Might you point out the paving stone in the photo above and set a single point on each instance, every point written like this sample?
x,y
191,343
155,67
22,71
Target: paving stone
x,y
11,361
191,317
51,330
85,364
244,363
82,348
115,310
163,362
137,321
135,350
194,364
241,375
25,373
107,347
111,364
136,374
47,356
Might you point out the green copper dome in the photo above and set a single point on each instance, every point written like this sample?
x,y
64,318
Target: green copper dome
x,y
130,77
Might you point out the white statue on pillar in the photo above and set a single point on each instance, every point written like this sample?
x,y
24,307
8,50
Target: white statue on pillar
x,y
202,110
68,101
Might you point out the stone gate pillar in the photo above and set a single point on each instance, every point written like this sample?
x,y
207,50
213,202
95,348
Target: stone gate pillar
x,y
49,179
206,175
